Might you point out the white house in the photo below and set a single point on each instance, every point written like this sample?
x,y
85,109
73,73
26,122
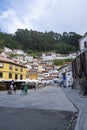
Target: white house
x,y
40,76
53,56
7,50
20,52
83,43
28,58
72,56
67,71
18,58
28,66
49,56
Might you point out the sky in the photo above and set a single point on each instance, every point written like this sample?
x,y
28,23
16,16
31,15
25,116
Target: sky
x,y
44,15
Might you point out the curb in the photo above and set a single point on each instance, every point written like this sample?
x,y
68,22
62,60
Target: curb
x,y
78,110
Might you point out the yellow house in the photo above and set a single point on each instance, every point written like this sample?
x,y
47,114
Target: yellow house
x,y
9,70
32,74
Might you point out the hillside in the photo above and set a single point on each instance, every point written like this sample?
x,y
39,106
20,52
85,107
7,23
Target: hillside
x,y
34,41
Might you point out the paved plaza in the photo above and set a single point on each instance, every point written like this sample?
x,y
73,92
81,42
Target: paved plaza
x,y
47,108
52,98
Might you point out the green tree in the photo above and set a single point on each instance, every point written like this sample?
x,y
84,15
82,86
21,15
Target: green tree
x,y
65,48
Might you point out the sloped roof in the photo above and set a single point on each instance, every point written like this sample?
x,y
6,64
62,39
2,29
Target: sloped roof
x,y
6,60
49,77
85,35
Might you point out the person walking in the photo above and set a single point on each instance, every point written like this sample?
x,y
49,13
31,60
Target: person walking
x,y
25,89
22,89
14,88
11,87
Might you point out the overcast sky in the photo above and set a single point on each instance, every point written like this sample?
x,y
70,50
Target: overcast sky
x,y
44,15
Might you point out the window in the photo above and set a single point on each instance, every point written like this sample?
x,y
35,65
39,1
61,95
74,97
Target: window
x,y
16,76
85,44
16,67
1,65
21,69
1,74
10,75
65,70
10,66
21,77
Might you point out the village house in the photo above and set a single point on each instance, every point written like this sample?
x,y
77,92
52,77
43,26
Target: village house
x,y
28,58
7,50
18,59
54,56
83,43
18,51
49,56
79,65
10,70
65,72
32,74
23,58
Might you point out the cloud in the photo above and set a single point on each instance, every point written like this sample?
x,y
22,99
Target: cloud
x,y
10,21
56,15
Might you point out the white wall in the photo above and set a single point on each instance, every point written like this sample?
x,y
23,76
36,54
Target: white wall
x,y
81,43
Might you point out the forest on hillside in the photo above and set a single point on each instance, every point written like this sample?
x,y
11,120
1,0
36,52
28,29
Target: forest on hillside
x,y
35,41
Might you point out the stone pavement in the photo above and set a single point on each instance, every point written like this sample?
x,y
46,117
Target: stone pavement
x,y
51,98
34,119
45,109
81,104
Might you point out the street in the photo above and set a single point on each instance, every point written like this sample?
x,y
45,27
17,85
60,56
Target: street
x,y
44,109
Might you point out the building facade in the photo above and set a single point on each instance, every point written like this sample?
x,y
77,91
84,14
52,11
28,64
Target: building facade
x,y
83,43
10,70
